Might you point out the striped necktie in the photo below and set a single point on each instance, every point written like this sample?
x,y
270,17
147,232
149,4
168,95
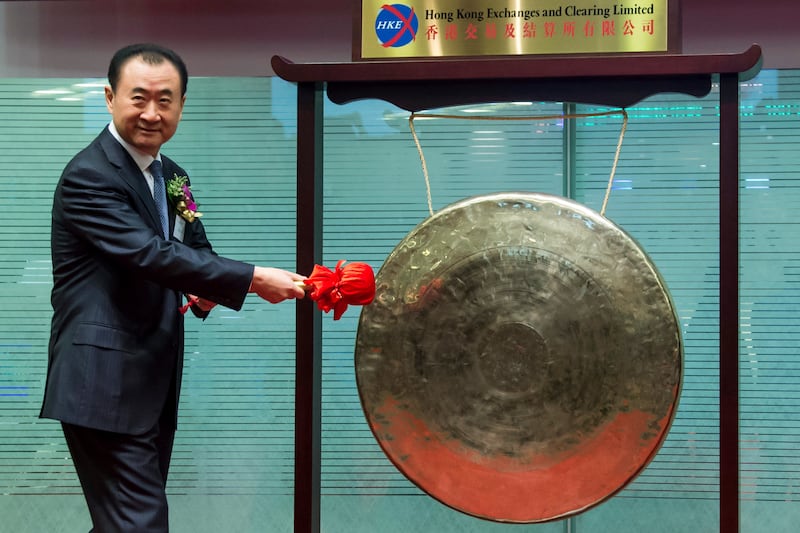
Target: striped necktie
x,y
160,195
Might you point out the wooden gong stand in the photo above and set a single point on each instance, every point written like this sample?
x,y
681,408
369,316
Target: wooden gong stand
x,y
618,81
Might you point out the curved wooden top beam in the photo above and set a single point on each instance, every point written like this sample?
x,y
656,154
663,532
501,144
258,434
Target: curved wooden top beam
x,y
618,81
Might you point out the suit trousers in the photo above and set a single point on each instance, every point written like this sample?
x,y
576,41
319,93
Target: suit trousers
x,y
124,477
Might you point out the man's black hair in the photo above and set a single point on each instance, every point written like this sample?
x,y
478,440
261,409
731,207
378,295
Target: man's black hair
x,y
150,53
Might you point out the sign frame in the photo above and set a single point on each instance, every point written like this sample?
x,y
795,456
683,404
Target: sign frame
x,y
674,41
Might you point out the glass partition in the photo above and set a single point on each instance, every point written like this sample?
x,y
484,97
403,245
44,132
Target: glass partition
x,y
233,462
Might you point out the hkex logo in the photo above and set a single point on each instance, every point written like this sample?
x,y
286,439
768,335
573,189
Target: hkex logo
x,y
396,25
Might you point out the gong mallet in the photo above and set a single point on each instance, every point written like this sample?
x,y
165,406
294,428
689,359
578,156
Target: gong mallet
x,y
351,284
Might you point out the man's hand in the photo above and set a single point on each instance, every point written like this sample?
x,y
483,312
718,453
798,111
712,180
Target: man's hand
x,y
275,285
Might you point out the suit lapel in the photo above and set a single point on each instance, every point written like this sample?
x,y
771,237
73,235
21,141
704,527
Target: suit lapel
x,y
130,172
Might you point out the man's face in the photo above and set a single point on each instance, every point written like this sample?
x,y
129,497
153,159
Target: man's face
x,y
147,105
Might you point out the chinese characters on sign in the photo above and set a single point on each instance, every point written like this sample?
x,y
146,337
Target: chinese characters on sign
x,y
468,28
530,30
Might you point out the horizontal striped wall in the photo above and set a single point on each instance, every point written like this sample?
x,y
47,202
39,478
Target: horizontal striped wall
x,y
235,441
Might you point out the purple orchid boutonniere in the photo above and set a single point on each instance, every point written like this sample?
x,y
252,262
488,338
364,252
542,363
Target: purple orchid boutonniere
x,y
180,195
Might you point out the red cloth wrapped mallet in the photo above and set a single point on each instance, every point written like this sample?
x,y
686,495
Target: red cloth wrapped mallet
x,y
351,284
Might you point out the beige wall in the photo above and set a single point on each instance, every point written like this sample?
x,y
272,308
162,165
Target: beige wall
x,y
71,38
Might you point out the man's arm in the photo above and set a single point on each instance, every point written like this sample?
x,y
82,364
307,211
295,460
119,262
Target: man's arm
x,y
272,284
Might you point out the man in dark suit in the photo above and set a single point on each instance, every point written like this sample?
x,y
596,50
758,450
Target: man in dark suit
x,y
120,268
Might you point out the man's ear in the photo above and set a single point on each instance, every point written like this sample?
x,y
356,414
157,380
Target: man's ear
x,y
109,98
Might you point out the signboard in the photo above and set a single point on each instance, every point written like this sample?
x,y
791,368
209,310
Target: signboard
x,y
469,28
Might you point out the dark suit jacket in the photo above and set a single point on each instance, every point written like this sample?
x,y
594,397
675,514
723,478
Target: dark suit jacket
x,y
116,345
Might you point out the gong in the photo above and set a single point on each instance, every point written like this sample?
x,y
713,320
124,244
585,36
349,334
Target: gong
x,y
522,360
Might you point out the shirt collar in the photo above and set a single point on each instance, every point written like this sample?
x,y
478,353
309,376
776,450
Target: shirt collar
x,y
142,160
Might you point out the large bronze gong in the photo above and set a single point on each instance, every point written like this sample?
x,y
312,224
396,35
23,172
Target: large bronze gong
x,y
522,360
